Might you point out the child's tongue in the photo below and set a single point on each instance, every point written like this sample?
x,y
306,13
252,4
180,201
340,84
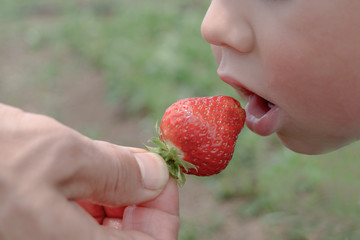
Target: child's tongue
x,y
262,117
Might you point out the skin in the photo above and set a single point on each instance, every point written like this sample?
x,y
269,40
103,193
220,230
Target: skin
x,y
302,56
46,169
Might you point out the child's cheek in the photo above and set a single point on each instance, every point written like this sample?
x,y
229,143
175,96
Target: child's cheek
x,y
301,87
317,93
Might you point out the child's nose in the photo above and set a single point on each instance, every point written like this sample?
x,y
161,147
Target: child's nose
x,y
224,26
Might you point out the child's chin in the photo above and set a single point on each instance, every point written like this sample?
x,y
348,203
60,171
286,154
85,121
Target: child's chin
x,y
311,145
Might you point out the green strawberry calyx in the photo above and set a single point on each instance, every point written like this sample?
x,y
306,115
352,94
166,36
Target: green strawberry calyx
x,y
173,158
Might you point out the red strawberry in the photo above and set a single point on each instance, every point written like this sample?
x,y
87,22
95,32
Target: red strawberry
x,y
198,135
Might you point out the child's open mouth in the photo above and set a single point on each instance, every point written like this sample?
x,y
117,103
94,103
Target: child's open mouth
x,y
262,116
260,106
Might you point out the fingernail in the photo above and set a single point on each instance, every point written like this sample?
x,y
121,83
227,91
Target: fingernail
x,y
153,169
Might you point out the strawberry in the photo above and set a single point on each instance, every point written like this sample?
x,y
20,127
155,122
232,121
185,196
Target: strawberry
x,y
198,135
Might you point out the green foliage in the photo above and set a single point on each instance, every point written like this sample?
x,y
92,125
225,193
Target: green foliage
x,y
191,230
150,52
297,196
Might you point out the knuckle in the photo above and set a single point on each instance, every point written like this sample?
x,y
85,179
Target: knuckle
x,y
68,151
48,148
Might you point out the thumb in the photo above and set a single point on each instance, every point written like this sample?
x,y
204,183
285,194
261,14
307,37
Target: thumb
x,y
115,175
115,234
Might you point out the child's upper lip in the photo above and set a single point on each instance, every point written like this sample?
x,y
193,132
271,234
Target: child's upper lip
x,y
244,92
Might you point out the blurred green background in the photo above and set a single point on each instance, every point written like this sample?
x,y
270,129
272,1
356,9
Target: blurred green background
x,y
109,68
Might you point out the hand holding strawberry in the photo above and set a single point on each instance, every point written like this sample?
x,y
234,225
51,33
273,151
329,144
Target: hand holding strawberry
x,y
198,135
46,166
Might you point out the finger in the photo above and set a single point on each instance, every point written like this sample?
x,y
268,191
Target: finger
x,y
53,217
80,167
95,210
113,223
115,234
116,176
110,229
158,218
116,212
168,201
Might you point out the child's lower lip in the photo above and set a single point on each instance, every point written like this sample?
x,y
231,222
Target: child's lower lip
x,y
262,117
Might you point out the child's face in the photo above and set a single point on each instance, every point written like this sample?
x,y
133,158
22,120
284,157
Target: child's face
x,y
296,62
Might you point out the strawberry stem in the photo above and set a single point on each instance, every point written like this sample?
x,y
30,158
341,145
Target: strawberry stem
x,y
173,158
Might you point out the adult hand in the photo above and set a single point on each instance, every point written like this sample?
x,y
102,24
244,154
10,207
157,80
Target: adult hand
x,y
45,167
158,218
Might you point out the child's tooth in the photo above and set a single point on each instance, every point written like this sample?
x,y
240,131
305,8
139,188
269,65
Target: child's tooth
x,y
270,105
